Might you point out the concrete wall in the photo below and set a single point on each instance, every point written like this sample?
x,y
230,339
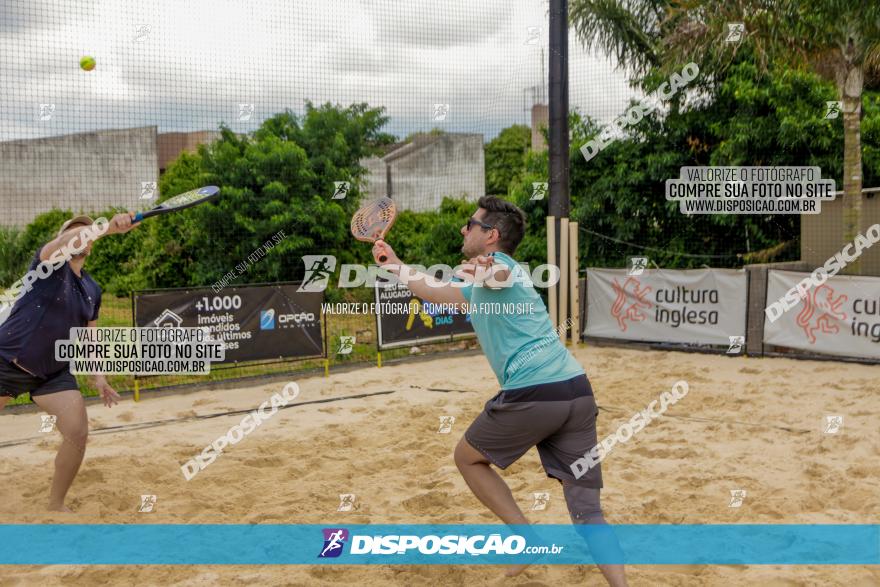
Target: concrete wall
x,y
822,234
172,144
86,172
431,168
453,165
375,184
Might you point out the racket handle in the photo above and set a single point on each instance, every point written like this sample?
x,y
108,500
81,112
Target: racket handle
x,y
138,217
383,258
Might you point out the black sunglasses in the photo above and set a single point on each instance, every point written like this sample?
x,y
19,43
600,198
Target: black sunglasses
x,y
480,223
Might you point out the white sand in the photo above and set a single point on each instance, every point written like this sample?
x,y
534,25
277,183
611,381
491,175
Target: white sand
x,y
386,450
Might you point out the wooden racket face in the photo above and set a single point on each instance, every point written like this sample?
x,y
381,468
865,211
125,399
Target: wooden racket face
x,y
373,221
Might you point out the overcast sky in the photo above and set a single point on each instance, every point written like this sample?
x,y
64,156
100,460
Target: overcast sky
x,y
188,64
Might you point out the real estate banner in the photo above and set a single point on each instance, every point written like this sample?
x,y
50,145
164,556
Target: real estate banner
x,y
254,322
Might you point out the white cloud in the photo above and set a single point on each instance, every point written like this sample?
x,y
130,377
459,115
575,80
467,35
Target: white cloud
x,y
201,58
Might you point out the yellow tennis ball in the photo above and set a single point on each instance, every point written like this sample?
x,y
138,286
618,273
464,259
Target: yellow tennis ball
x,y
87,63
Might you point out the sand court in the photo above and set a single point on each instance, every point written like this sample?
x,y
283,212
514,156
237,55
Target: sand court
x,y
751,425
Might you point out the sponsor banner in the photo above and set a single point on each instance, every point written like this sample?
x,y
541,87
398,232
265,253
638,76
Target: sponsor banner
x,y
404,319
404,544
696,306
841,316
254,322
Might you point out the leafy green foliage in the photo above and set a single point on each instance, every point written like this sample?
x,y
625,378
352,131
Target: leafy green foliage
x,y
505,158
618,197
114,262
43,229
281,177
431,237
620,193
18,247
13,253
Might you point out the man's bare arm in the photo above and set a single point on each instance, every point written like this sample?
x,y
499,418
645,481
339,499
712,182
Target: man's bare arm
x,y
421,284
108,395
77,238
71,240
428,288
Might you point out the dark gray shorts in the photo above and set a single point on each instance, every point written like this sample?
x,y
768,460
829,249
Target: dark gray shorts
x,y
559,418
15,381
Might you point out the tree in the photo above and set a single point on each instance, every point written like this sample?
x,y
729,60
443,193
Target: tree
x,y
505,158
280,178
748,118
837,39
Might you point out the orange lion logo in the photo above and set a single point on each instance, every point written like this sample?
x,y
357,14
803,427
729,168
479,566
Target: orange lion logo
x,y
623,312
820,311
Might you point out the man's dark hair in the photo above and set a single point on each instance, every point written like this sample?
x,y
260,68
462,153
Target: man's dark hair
x,y
507,218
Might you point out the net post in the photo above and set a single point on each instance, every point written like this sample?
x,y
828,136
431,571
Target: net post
x,y
551,260
563,279
326,367
573,282
137,390
379,359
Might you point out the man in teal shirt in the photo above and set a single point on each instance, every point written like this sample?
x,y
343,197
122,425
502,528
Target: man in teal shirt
x,y
545,398
522,347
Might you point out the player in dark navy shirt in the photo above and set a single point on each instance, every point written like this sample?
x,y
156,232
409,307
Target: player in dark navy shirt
x,y
59,295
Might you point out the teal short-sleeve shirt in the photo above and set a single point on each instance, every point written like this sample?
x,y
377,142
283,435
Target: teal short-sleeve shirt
x,y
514,330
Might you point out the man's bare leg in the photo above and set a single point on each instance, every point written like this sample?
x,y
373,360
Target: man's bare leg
x,y
490,489
614,574
486,484
494,493
72,422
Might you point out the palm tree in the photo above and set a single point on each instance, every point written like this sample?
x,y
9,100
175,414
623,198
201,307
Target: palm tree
x,y
838,39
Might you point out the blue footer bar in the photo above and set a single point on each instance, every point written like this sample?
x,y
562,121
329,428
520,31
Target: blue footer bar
x,y
290,544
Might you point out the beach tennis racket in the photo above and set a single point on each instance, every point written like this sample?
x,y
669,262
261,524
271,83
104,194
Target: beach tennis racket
x,y
373,221
184,200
